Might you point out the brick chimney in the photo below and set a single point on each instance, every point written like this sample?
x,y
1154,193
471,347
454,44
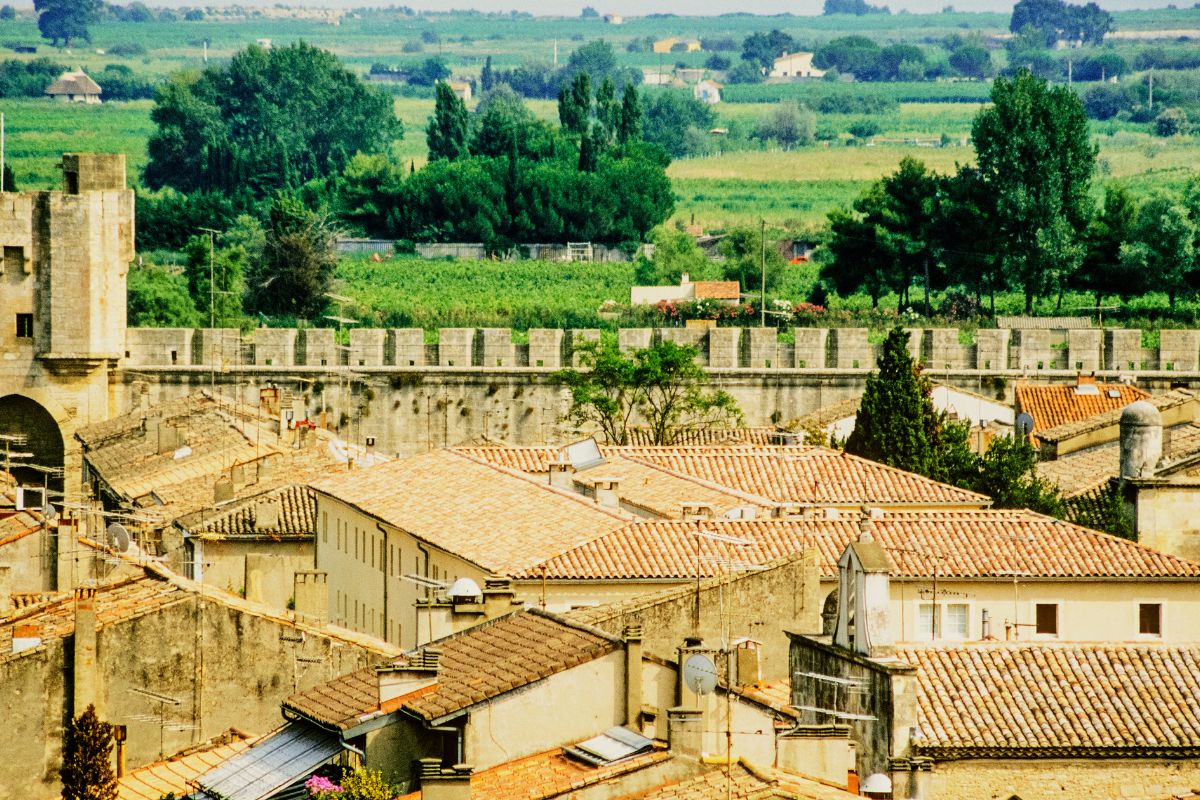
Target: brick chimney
x,y
441,783
633,677
498,596
83,667
562,474
310,596
685,731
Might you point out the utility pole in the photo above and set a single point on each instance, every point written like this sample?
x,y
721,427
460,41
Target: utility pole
x,y
212,305
762,263
1,151
1150,101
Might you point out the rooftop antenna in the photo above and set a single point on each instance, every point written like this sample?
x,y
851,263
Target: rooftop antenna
x,y
428,584
840,684
163,701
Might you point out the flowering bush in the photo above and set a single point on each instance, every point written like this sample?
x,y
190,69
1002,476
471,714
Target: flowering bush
x,y
321,788
678,311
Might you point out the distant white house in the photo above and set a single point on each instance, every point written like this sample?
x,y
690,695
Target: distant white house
x,y
614,19
795,65
75,87
265,44
729,292
461,89
707,91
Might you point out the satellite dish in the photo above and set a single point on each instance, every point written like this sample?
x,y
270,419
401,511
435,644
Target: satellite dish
x,y
1024,423
118,537
700,674
50,513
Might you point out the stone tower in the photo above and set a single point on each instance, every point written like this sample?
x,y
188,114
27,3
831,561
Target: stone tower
x,y
64,256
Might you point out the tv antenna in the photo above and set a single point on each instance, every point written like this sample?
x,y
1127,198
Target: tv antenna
x,y
842,687
164,701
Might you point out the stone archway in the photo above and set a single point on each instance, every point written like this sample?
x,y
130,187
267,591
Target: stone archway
x,y
23,416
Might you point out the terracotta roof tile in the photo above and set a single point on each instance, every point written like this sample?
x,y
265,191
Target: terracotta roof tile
x,y
742,782
1082,471
1054,698
296,507
476,665
1055,404
500,519
1112,417
718,290
977,544
765,475
153,781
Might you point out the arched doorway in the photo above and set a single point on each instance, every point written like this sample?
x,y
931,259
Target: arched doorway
x,y
829,614
37,433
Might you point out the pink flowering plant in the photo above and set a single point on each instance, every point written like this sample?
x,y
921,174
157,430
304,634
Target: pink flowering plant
x,y
321,788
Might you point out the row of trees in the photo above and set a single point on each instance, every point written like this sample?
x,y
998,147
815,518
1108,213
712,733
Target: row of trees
x,y
503,177
31,78
1017,220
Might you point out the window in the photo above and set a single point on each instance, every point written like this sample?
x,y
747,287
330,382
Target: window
x,y
14,258
1150,619
1047,619
24,326
951,621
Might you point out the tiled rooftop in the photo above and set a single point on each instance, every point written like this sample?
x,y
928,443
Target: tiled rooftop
x,y
500,519
762,475
161,778
808,475
476,665
1057,699
974,544
1053,405
549,774
718,290
1112,418
775,695
297,511
217,440
1082,471
16,525
745,781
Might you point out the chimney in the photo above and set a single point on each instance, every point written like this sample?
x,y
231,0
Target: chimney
x,y
310,596
253,578
83,667
607,492
633,678
1141,440
397,680
5,589
498,597
691,512
439,783
222,490
266,516
685,731
685,279
562,475
120,734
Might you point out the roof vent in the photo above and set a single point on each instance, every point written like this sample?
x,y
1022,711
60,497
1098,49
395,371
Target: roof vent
x,y
223,491
1114,393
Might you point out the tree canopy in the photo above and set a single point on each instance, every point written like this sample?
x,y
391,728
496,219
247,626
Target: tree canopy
x,y
660,386
1055,20
268,120
66,20
87,772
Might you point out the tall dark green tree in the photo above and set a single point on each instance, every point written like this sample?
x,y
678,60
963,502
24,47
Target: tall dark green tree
x,y
892,425
297,264
87,772
227,268
487,77
1036,157
1104,272
629,124
966,235
575,105
8,182
1162,245
66,20
1008,475
449,128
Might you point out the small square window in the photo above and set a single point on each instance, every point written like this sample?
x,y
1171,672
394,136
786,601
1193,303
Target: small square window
x,y
1150,619
13,258
24,326
1047,619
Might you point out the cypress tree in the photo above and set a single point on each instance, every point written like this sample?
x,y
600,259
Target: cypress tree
x,y
896,415
87,772
449,127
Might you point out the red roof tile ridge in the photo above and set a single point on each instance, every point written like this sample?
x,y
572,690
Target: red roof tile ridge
x,y
1101,535
896,470
567,622
705,482
19,535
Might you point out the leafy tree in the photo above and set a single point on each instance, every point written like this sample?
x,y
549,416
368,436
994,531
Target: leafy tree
x,y
1102,510
857,55
745,72
662,385
761,49
745,257
856,7
1171,122
1104,272
1162,245
789,125
1035,156
158,298
966,234
269,119
449,127
675,253
64,20
904,225
7,12
298,261
629,124
851,261
598,60
87,772
717,62
972,61
1054,20
227,288
669,116
1106,100
589,13
575,104
1008,475
429,72
502,122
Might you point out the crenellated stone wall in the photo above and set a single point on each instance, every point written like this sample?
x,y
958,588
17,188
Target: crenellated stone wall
x,y
941,349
